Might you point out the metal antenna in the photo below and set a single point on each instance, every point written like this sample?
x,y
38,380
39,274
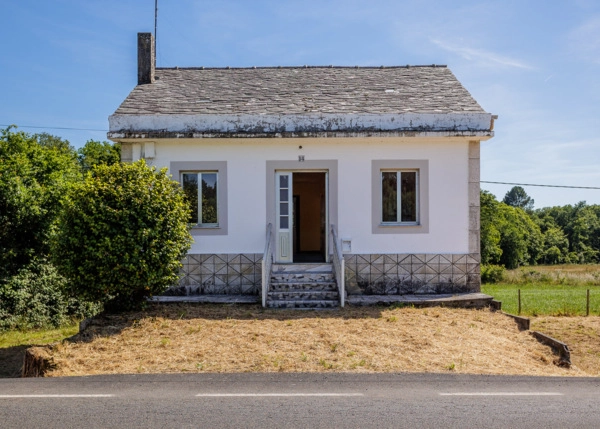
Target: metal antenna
x,y
155,22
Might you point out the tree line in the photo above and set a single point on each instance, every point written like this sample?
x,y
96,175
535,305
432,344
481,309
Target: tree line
x,y
513,233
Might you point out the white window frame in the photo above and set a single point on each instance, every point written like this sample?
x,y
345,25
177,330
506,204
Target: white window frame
x,y
399,172
176,168
201,224
378,166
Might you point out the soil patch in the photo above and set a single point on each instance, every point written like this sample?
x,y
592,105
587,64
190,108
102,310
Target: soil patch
x,y
218,338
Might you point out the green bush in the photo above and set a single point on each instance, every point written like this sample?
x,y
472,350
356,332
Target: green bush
x,y
122,234
37,297
492,273
35,172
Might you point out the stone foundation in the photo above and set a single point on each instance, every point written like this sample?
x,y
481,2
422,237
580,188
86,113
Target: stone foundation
x,y
219,274
366,274
402,274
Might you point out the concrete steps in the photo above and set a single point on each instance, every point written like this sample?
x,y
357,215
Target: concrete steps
x,y
302,286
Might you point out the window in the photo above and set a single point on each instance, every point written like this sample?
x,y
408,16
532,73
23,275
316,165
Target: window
x,y
205,186
399,197
201,192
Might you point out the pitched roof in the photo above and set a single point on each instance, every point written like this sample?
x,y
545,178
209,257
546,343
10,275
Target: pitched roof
x,y
267,100
299,90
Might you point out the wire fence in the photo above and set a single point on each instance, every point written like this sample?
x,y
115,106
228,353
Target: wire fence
x,y
550,302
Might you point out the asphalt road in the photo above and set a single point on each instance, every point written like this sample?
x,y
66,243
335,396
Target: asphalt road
x,y
300,401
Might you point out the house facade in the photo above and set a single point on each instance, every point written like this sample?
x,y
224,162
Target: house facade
x,y
373,170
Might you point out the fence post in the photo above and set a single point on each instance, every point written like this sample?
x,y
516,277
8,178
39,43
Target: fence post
x,y
519,312
587,305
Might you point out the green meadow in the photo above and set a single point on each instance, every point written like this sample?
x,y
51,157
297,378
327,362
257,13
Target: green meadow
x,y
557,290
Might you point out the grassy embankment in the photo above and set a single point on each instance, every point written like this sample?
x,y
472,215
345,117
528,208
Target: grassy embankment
x,y
13,345
559,290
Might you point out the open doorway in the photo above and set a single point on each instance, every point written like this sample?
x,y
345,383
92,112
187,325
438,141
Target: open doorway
x,y
309,217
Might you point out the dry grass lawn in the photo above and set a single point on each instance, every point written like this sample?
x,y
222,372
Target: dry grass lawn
x,y
581,334
207,338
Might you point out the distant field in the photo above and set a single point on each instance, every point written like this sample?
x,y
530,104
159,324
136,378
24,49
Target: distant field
x,y
546,300
571,275
557,290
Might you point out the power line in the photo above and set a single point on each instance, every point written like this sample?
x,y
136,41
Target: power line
x,y
53,128
544,186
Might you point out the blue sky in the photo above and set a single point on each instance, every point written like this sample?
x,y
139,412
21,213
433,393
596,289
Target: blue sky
x,y
535,63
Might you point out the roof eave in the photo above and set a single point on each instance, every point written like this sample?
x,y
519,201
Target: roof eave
x,y
125,136
466,124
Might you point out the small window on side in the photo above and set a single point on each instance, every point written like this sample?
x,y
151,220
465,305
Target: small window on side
x,y
200,189
400,197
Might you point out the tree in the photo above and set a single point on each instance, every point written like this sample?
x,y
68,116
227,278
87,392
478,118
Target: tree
x,y
489,233
122,234
35,173
508,235
521,240
98,153
49,141
580,223
556,246
517,197
585,230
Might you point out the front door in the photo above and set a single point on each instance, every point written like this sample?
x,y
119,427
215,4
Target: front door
x,y
301,216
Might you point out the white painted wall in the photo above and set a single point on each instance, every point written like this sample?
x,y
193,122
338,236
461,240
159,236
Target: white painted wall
x,y
246,167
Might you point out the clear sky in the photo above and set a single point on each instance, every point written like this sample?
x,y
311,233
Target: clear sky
x,y
535,63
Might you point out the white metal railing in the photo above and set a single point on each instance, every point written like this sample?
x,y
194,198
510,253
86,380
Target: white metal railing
x,y
338,266
267,263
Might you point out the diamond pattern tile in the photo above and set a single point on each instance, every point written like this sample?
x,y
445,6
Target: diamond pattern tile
x,y
365,273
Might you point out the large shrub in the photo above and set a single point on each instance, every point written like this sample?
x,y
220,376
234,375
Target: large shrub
x,y
37,297
492,273
122,234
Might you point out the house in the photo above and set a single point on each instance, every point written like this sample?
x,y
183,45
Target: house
x,y
364,178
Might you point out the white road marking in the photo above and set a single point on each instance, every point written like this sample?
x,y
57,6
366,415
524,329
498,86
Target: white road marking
x,y
55,396
501,394
233,395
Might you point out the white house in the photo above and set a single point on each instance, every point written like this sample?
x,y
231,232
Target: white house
x,y
372,169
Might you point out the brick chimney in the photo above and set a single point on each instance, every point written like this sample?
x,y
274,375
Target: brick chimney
x,y
146,58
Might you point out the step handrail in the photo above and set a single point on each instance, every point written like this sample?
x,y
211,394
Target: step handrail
x,y
266,265
339,267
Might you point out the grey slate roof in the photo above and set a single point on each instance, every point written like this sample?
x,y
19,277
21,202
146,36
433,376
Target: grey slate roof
x,y
300,91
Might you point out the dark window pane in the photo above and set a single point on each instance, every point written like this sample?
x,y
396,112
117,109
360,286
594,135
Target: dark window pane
x,y
190,189
389,197
283,209
283,194
209,198
283,181
409,196
284,222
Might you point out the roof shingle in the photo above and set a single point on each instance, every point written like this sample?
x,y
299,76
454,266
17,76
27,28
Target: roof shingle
x,y
300,90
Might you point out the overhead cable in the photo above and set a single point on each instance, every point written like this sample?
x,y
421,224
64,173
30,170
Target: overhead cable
x,y
544,186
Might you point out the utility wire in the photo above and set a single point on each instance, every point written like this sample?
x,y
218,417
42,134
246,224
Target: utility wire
x,y
545,186
53,128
